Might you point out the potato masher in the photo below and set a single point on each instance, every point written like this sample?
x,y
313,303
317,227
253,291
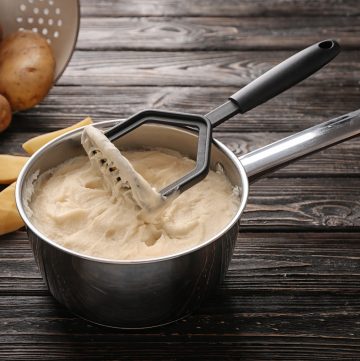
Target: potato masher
x,y
273,82
57,20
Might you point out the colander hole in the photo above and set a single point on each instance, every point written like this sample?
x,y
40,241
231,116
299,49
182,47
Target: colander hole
x,y
57,11
59,22
44,31
46,11
30,1
35,30
19,19
30,20
36,10
41,21
51,22
22,7
51,2
21,29
56,34
48,40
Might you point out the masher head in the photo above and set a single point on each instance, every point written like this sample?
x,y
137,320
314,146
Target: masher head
x,y
198,123
57,20
117,172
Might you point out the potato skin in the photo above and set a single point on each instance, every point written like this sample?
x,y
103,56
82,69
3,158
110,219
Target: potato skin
x,y
5,113
27,67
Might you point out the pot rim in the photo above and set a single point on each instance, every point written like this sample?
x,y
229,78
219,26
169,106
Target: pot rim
x,y
24,173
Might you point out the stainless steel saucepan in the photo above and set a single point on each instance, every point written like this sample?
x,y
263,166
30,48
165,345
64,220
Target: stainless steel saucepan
x,y
146,293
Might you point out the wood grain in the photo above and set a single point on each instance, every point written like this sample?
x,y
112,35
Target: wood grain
x,y
259,347
294,262
206,335
278,203
294,110
342,160
229,8
268,298
255,321
201,68
221,33
292,289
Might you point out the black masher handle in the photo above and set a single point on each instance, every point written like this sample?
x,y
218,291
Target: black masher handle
x,y
284,75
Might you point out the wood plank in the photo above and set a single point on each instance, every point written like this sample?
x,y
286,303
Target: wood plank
x,y
248,347
294,110
311,262
342,160
282,263
220,33
292,290
233,8
201,68
46,313
308,202
38,321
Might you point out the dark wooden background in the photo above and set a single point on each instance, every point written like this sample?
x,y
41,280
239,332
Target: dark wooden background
x,y
293,288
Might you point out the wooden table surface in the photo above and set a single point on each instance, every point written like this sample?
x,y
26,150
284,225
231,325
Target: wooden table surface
x,y
293,288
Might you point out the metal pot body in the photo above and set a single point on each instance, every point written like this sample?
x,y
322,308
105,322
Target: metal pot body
x,y
133,294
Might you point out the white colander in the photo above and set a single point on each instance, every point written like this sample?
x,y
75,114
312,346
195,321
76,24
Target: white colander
x,y
57,20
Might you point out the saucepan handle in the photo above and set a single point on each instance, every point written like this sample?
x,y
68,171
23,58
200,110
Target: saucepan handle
x,y
311,140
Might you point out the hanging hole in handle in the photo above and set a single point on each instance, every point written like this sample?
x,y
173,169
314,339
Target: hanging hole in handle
x,y
327,44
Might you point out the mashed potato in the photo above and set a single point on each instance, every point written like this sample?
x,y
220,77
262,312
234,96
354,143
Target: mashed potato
x,y
71,205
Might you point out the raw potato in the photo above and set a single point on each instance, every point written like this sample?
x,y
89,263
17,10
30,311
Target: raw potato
x,y
33,144
27,67
5,113
10,219
10,167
